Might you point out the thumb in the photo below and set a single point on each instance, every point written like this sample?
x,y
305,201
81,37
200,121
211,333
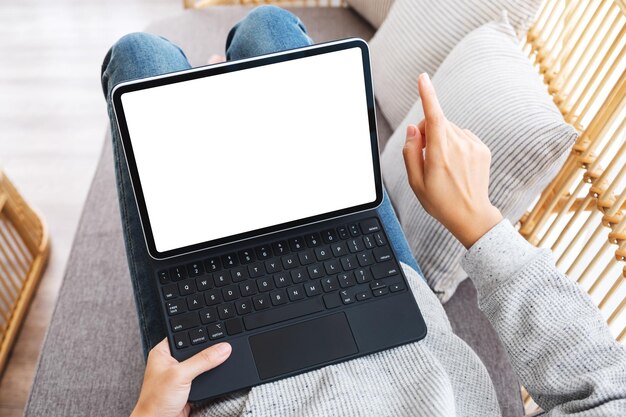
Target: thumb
x,y
205,360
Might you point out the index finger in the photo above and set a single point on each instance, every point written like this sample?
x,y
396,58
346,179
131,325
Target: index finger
x,y
435,119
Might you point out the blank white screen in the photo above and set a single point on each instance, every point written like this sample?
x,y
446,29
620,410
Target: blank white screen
x,y
236,152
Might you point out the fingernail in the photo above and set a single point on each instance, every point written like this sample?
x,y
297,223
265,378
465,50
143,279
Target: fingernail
x,y
410,131
425,77
222,349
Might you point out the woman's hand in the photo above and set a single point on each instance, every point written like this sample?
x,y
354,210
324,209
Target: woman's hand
x,y
166,382
448,170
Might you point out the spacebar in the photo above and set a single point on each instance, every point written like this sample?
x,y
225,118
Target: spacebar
x,y
290,311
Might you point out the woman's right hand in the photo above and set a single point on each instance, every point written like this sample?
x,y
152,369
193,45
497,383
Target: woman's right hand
x,y
448,170
167,382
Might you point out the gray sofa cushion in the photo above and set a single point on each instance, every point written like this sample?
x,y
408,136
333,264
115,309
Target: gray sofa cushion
x,y
91,362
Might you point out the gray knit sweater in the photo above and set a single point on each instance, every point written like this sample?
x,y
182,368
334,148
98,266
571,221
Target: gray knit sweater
x,y
558,342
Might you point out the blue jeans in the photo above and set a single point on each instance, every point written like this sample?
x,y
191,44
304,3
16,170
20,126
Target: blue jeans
x,y
266,29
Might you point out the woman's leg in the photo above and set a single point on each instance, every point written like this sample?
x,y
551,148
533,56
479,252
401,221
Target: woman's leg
x,y
396,235
266,29
138,55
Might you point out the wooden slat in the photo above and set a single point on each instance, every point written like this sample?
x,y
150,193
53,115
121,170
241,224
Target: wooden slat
x,y
24,251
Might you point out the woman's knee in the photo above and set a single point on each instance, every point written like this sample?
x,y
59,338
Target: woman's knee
x,y
139,55
264,30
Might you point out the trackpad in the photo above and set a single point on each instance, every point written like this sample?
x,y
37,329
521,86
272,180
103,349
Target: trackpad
x,y
302,345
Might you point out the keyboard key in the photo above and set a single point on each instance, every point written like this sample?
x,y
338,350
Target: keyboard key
x,y
203,284
374,285
272,266
315,271
181,340
365,258
306,257
226,311
230,260
212,297
246,256
170,291
385,269
282,280
354,230
280,248
216,331
339,249
332,300
312,288
369,241
383,254
164,277
265,284
213,265
176,306
296,292
347,297
208,315
362,275
296,244
184,322
290,261
330,284
343,232
329,236
323,253
247,289
198,336
239,274
177,273
243,306
221,278
230,293
313,240
332,267
361,296
355,245
370,226
346,280
234,326
278,297
195,301
396,287
349,262
380,291
261,302
186,287
380,239
299,275
263,252
288,312
256,270
195,269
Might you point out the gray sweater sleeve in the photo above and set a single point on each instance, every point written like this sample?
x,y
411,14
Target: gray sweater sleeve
x,y
558,342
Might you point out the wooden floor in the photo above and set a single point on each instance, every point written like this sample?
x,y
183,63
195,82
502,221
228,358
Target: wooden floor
x,y
52,121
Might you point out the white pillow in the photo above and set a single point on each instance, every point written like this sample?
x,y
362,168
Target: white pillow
x,y
418,34
486,85
374,11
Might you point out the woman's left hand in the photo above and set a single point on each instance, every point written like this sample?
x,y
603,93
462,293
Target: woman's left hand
x,y
166,382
